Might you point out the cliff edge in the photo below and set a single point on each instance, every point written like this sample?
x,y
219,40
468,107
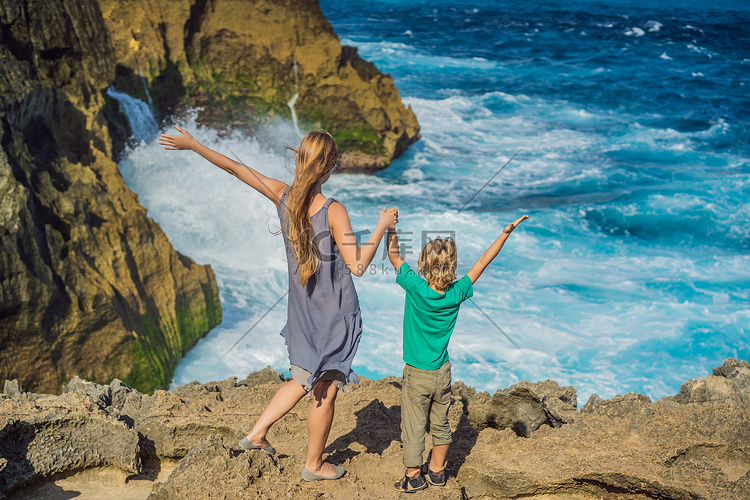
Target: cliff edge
x,y
527,441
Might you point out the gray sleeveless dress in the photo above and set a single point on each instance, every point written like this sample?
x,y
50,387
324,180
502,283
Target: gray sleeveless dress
x,y
324,323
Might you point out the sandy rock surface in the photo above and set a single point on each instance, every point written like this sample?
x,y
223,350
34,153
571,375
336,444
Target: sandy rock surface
x,y
695,445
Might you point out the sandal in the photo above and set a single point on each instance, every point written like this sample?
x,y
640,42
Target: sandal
x,y
246,444
432,477
410,484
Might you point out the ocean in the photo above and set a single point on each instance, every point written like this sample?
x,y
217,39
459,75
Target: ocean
x,y
630,126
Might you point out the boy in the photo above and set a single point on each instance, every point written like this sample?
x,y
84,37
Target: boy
x,y
430,312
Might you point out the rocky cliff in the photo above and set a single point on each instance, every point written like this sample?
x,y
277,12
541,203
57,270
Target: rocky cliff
x,y
242,61
527,441
89,285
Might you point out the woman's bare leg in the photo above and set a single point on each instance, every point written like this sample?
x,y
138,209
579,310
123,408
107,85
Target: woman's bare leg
x,y
319,426
284,400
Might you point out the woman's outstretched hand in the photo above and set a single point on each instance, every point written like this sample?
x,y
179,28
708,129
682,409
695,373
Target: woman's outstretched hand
x,y
510,227
182,141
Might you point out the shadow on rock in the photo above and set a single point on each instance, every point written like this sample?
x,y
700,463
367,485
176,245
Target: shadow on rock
x,y
377,427
464,439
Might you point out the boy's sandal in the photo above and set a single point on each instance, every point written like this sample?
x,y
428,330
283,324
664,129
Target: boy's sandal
x,y
410,484
432,477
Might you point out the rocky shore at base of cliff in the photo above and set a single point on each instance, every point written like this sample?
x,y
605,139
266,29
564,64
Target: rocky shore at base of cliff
x,y
526,441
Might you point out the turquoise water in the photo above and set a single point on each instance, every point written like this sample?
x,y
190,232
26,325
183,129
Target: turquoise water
x,y
631,119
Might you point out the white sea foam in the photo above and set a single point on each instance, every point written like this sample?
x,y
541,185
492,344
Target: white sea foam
x,y
653,26
402,54
665,56
700,50
635,31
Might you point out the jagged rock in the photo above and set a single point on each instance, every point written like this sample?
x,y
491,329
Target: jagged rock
x,y
89,285
625,448
121,393
525,407
110,398
47,435
730,382
265,376
232,472
591,404
618,406
733,369
171,425
241,62
739,373
99,394
12,388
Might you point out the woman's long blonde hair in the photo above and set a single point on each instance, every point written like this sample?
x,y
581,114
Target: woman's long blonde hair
x,y
437,263
316,156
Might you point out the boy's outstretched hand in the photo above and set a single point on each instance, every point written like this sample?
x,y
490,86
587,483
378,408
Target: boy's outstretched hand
x,y
182,141
510,227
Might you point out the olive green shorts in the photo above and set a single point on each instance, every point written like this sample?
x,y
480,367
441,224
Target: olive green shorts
x,y
424,394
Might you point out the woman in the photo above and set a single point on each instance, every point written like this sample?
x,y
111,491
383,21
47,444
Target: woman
x,y
323,319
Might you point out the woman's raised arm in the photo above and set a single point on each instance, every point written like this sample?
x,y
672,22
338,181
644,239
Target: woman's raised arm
x,y
267,186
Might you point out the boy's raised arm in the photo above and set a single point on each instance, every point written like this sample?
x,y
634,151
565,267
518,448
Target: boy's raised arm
x,y
393,250
489,255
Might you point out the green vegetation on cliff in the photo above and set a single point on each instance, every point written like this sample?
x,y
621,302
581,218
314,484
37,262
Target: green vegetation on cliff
x,y
236,61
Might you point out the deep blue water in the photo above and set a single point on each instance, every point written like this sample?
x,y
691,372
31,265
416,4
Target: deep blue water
x,y
632,122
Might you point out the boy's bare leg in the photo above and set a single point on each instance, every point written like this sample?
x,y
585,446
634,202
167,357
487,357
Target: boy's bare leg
x,y
284,400
439,452
412,471
319,426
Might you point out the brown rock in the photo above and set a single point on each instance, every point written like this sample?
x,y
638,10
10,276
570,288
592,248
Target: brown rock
x,y
625,448
43,435
236,60
264,376
729,382
233,473
89,285
618,406
525,407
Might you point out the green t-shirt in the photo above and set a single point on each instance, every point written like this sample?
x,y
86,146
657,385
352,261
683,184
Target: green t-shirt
x,y
429,318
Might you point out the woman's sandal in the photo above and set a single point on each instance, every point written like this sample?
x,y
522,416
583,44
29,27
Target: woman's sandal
x,y
410,484
311,476
432,477
246,444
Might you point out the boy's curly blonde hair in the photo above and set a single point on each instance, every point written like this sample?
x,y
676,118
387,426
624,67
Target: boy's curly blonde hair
x,y
437,263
